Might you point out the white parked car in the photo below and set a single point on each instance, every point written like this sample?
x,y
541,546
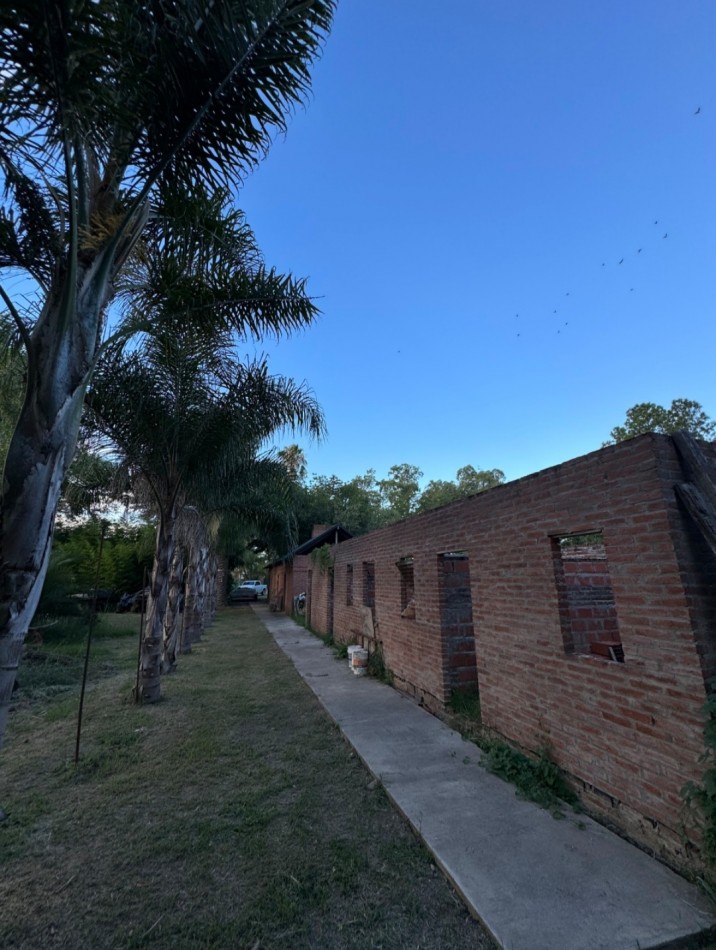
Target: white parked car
x,y
260,588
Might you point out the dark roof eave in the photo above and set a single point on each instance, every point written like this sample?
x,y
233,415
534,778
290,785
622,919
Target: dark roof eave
x,y
333,535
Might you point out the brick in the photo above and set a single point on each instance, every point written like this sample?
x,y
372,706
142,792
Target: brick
x,y
631,732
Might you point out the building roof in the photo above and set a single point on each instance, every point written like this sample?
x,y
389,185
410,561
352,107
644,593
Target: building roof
x,y
333,534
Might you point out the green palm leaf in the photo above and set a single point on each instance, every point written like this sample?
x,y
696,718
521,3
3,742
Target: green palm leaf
x,y
133,83
199,263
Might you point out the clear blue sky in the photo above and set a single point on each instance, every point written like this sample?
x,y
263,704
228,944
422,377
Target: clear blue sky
x,y
465,162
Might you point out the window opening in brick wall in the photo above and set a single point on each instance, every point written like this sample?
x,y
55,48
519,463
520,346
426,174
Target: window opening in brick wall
x,y
407,586
456,626
587,610
349,585
368,584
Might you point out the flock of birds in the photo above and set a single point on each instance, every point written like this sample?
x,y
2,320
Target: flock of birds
x,y
618,263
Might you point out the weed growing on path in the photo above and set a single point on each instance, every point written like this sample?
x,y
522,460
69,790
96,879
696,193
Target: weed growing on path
x,y
537,780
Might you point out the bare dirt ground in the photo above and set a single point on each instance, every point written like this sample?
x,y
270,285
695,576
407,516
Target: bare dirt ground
x,y
231,814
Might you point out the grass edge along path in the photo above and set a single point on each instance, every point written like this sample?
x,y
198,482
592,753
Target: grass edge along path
x,y
232,814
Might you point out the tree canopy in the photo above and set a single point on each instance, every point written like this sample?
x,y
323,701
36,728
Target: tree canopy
x,y
650,417
365,502
469,481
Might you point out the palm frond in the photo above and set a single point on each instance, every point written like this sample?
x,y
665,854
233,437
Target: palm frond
x,y
187,421
103,102
199,262
177,88
221,81
90,480
29,235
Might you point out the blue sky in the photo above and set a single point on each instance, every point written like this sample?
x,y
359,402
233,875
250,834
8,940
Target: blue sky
x,y
464,163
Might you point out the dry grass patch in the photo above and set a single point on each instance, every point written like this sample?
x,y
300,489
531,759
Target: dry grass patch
x,y
232,814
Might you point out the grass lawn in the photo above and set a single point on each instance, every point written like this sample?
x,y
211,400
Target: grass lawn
x,y
231,814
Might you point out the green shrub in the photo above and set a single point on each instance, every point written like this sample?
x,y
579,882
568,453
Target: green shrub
x,y
377,666
701,798
537,780
466,703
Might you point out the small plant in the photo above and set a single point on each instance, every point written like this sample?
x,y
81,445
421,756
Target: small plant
x,y
340,649
377,666
465,703
701,798
322,558
537,780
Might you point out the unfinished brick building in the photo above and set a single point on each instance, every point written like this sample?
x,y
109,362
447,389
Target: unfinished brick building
x,y
581,601
292,574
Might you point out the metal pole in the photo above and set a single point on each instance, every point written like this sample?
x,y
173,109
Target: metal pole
x,y
93,616
141,631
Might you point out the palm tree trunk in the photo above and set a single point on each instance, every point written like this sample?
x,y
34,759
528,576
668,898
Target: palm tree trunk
x,y
189,601
151,654
210,605
194,598
60,350
171,618
222,571
197,627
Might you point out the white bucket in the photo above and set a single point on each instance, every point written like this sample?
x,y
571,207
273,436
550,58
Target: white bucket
x,y
351,650
359,663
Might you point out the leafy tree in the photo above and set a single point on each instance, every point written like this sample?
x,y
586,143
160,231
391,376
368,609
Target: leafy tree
x,y
400,490
469,482
365,503
438,492
102,102
126,552
355,504
650,417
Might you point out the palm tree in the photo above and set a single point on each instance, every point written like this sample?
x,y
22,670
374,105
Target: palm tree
x,y
100,103
256,502
197,280
196,415
294,459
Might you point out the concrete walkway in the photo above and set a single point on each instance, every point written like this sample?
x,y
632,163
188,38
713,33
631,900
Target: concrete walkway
x,y
536,883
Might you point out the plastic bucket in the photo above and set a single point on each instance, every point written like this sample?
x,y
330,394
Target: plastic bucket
x,y
351,650
359,663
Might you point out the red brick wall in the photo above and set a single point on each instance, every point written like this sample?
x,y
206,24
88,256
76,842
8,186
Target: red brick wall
x,y
300,566
286,579
630,733
277,586
319,609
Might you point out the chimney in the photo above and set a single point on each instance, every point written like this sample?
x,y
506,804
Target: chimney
x,y
319,529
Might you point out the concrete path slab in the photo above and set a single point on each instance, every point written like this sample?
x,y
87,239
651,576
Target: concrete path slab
x,y
535,882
